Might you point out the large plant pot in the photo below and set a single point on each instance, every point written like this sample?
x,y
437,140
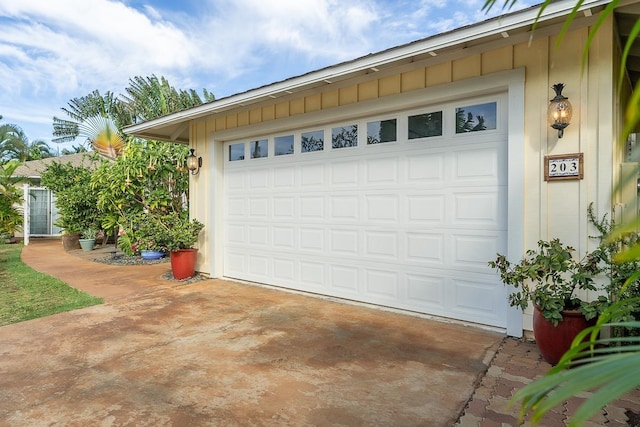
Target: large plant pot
x,y
87,244
183,263
70,241
554,341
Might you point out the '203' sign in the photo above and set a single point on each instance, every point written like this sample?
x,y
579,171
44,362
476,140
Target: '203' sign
x,y
563,167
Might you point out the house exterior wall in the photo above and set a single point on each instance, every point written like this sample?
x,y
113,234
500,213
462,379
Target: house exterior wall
x,y
550,209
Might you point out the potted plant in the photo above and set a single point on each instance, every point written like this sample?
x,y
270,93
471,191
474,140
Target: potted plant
x,y
181,236
88,239
151,237
551,278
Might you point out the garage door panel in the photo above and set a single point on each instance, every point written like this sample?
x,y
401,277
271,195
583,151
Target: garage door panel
x,y
425,292
426,209
476,166
344,242
344,208
478,208
471,251
382,171
345,173
426,169
381,208
476,300
284,178
311,176
425,248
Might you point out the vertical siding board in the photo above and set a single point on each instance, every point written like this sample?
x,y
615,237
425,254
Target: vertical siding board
x,y
221,123
330,99
438,74
232,121
390,85
268,113
243,118
534,58
296,106
312,103
412,80
348,95
282,110
255,116
466,68
368,90
497,60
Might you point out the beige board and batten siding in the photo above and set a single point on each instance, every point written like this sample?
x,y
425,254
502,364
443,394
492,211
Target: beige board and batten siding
x,y
551,209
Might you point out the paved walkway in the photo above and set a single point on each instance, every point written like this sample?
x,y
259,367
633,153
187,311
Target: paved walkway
x,y
507,366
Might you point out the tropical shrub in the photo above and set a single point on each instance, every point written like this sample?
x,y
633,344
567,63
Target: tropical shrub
x,y
76,200
10,199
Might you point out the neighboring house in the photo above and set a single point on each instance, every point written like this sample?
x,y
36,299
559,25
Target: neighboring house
x,y
40,207
365,180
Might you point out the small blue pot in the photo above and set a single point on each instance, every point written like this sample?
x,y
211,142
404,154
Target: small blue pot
x,y
151,254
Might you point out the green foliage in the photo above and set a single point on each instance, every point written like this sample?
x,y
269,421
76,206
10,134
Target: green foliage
x,y
27,294
151,97
550,277
76,200
10,199
91,105
606,366
159,232
150,177
620,269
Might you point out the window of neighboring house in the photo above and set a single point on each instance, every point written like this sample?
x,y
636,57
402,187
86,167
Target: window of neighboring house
x,y
236,152
259,148
283,145
344,136
381,131
312,141
476,118
425,125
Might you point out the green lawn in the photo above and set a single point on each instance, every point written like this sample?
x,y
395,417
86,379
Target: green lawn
x,y
27,294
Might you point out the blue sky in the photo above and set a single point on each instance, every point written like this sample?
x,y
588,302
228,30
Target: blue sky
x,y
53,51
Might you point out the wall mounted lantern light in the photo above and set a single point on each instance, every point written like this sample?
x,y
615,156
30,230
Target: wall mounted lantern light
x,y
560,110
194,163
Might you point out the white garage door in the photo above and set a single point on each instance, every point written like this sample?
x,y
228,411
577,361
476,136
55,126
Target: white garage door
x,y
403,210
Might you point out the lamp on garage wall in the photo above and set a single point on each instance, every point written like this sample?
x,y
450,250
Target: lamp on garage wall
x,y
560,110
194,163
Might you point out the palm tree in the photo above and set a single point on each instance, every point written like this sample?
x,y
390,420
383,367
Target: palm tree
x,y
14,145
151,97
92,105
11,141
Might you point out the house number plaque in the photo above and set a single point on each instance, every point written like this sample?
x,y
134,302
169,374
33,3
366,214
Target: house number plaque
x,y
564,166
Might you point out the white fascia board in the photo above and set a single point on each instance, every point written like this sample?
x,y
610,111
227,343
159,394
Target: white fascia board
x,y
462,35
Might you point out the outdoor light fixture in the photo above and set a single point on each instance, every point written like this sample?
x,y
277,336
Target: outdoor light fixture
x,y
194,163
560,110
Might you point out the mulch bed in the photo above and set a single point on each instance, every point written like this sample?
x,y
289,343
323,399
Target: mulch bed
x,y
121,259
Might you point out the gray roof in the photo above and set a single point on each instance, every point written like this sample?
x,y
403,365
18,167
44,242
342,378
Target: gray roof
x,y
33,168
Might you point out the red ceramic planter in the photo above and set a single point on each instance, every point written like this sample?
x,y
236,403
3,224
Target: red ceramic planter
x,y
554,341
183,263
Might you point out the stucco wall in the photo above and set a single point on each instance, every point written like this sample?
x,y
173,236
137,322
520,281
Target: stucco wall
x,y
555,209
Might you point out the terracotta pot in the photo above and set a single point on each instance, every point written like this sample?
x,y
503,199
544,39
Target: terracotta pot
x,y
554,341
70,241
183,263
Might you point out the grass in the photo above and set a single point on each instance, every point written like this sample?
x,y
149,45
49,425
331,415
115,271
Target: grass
x,y
27,294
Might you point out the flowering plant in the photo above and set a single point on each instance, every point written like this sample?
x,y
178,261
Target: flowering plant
x,y
159,232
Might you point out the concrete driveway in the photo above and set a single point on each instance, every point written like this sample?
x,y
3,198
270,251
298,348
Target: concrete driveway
x,y
161,353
